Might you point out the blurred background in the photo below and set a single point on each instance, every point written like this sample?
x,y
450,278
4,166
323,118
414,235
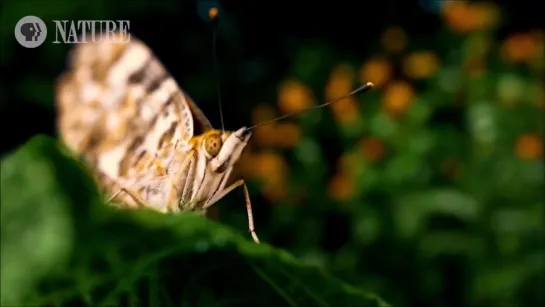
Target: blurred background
x,y
428,190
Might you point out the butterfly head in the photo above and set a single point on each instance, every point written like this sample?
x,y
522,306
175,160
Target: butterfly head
x,y
223,148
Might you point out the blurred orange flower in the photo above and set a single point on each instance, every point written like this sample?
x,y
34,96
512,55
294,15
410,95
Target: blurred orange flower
x,y
486,15
346,111
372,148
522,47
529,147
341,187
397,98
265,135
262,112
286,135
270,164
394,39
464,17
270,169
457,15
377,70
340,82
420,65
294,96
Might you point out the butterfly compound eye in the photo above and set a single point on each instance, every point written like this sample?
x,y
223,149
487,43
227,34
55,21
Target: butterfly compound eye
x,y
213,144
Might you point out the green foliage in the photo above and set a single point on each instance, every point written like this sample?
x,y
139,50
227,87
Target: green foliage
x,y
452,212
61,245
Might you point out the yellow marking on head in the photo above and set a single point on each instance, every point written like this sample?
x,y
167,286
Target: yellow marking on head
x,y
211,140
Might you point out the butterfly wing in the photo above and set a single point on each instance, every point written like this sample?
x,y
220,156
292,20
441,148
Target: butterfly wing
x,y
120,109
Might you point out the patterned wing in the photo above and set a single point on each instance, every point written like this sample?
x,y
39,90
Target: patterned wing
x,y
119,108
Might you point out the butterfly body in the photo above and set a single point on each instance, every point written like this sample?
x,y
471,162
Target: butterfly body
x,y
147,142
193,175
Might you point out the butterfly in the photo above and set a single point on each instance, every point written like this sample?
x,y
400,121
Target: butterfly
x,y
146,140
149,145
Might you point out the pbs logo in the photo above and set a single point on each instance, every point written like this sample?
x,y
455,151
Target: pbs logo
x,y
30,31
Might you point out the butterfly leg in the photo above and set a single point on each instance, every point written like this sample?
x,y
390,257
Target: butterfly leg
x,y
230,188
134,196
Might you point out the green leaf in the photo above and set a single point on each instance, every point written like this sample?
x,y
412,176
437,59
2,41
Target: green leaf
x,y
413,210
61,245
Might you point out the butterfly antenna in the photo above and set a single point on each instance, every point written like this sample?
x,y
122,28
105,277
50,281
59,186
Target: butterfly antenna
x,y
213,13
359,90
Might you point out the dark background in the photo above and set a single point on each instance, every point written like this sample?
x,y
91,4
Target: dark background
x,y
261,33
456,253
254,33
